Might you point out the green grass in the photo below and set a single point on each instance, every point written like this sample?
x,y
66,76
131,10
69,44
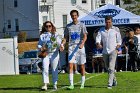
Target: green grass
x,y
128,82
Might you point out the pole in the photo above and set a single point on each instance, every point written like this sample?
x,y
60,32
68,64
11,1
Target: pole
x,y
126,59
4,17
91,5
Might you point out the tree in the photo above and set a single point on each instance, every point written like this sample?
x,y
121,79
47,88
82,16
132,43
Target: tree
x,y
22,36
135,8
127,1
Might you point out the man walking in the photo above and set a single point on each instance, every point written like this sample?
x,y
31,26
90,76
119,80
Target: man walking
x,y
109,39
76,34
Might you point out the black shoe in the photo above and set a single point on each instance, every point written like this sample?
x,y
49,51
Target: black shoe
x,y
135,70
114,83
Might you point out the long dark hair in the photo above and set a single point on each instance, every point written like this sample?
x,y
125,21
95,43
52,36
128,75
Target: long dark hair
x,y
44,27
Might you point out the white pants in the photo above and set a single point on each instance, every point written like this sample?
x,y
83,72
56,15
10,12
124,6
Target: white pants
x,y
110,61
52,59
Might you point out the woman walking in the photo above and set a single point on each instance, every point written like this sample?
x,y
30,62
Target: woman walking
x,y
50,38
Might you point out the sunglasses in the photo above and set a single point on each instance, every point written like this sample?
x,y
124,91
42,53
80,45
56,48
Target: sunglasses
x,y
48,26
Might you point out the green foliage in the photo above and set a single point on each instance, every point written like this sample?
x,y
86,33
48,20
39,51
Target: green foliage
x,y
135,10
7,36
127,1
53,39
22,36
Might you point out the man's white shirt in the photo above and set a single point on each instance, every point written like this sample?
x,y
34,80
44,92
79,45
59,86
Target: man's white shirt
x,y
138,36
110,39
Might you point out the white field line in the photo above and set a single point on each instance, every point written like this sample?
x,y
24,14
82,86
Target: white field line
x,y
74,83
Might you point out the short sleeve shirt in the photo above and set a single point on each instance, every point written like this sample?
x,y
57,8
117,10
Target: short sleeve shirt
x,y
75,33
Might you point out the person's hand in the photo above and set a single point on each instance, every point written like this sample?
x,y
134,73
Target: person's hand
x,y
118,46
126,48
131,41
99,46
43,48
81,46
61,47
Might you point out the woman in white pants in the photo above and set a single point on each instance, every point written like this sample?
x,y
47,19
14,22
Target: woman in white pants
x,y
52,40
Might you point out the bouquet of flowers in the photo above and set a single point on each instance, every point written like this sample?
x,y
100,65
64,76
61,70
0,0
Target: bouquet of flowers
x,y
52,44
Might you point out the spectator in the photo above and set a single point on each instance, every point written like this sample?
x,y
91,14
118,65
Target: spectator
x,y
98,60
120,60
131,44
124,40
137,34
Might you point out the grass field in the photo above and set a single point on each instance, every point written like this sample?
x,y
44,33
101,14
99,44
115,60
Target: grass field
x,y
128,82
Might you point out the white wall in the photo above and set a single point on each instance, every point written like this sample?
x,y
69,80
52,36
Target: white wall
x,y
63,7
9,56
26,13
110,2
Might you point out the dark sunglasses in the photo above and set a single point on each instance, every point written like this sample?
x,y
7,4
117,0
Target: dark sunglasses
x,y
48,26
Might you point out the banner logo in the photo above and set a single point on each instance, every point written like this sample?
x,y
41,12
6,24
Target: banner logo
x,y
107,12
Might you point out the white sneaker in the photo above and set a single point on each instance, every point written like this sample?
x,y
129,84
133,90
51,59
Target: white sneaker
x,y
86,72
44,88
93,71
76,72
63,71
55,87
103,70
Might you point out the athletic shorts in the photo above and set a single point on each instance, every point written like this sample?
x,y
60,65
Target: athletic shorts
x,y
76,55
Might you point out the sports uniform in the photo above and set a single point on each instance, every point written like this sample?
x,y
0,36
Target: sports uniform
x,y
74,33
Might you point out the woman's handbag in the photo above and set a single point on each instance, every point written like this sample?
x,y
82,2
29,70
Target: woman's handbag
x,y
43,53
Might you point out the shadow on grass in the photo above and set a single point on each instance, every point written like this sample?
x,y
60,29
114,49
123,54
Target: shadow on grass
x,y
87,86
96,86
50,87
21,88
92,86
63,85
